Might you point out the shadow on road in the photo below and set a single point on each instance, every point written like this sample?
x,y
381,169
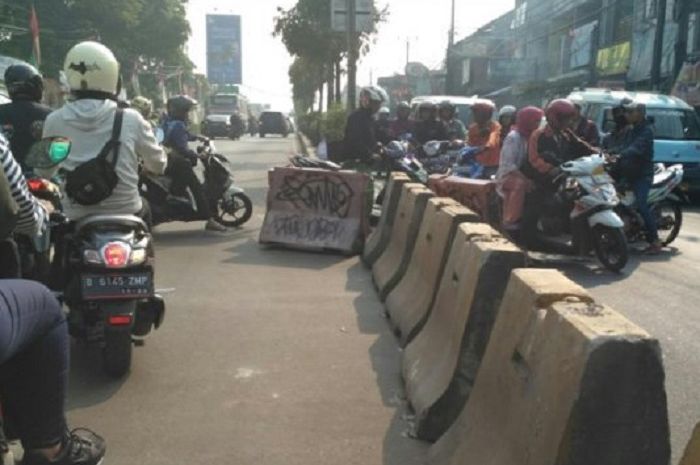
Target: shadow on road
x,y
250,252
198,237
89,385
385,356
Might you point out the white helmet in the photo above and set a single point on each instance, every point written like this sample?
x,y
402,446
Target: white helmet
x,y
375,94
92,67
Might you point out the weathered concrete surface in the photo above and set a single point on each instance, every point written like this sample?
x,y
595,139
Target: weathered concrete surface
x,y
409,303
391,266
563,381
691,456
266,357
379,239
441,364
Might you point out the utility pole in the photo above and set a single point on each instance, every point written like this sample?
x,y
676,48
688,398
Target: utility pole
x,y
451,41
408,51
682,17
658,45
352,54
449,60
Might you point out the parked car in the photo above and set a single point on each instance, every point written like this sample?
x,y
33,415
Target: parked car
x,y
215,125
462,104
273,122
676,126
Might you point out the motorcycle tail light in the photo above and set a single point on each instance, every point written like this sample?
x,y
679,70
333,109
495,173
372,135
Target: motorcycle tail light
x,y
116,254
37,185
119,320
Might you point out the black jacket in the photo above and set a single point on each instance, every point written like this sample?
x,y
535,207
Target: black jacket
x,y
638,152
16,120
360,138
428,130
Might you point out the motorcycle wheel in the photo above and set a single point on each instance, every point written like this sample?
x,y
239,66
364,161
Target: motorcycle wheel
x,y
239,207
116,354
669,219
611,247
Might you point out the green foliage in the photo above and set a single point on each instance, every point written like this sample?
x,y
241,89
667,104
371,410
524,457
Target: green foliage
x,y
329,125
143,34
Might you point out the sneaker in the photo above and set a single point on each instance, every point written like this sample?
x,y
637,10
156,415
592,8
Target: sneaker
x,y
654,248
213,225
80,447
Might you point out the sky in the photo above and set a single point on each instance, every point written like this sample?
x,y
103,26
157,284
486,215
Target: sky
x,y
424,23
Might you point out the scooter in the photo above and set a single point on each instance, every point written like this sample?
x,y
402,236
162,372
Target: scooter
x,y
233,207
580,216
665,200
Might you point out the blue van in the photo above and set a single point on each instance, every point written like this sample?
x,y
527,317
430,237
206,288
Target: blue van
x,y
676,126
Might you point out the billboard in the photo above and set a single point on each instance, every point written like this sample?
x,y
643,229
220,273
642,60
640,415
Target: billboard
x,y
224,64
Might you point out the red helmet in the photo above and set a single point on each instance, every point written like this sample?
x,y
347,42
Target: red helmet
x,y
528,119
483,110
558,111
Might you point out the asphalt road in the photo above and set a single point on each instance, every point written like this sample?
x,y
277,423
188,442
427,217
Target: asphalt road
x,y
266,357
276,357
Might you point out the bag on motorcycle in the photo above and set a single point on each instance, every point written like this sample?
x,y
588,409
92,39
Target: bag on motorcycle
x,y
93,181
9,210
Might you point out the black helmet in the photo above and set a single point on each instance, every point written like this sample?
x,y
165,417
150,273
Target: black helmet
x,y
403,105
23,81
447,105
180,105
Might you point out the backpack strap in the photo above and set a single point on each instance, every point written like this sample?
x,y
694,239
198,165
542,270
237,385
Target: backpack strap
x,y
114,142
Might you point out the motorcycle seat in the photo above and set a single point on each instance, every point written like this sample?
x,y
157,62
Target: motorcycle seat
x,y
125,221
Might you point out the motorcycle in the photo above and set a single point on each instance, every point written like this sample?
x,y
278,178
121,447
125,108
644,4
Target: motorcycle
x,y
580,217
665,200
106,269
229,200
237,128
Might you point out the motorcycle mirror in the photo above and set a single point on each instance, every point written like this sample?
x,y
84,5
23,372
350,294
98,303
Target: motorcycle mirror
x,y
160,136
48,153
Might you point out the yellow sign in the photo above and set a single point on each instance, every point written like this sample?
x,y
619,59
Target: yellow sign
x,y
614,60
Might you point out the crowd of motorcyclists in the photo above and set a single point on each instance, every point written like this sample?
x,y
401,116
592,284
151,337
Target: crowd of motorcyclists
x,y
522,150
33,332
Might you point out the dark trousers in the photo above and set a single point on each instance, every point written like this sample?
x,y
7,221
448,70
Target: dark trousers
x,y
182,173
641,188
33,362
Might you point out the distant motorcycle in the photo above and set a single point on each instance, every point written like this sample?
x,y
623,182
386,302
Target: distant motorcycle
x,y
233,207
665,201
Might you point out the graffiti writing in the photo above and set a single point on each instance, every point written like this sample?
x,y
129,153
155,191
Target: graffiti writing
x,y
318,192
302,228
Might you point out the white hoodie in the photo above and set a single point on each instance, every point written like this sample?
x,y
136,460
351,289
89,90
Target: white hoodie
x,y
88,125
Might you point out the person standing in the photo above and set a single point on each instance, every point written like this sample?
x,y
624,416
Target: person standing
x,y
485,134
637,168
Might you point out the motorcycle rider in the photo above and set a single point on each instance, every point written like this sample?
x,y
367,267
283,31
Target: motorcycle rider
x,y
144,106
614,141
381,126
87,120
237,125
637,166
506,118
428,127
360,137
23,117
485,134
182,159
512,184
447,113
584,128
402,124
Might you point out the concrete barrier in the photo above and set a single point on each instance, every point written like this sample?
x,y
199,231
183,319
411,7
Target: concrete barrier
x,y
379,239
692,452
563,381
316,209
478,195
442,362
409,303
391,265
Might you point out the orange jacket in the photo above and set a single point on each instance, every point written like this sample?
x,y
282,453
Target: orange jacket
x,y
490,139
548,150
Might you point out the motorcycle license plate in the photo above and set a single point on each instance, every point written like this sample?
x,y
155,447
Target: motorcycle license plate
x,y
117,286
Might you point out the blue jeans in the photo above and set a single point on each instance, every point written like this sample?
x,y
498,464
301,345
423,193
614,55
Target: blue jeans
x,y
33,362
641,188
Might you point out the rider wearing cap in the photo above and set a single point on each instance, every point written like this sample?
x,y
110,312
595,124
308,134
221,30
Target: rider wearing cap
x,y
447,113
87,121
485,134
402,124
554,144
22,119
360,136
182,159
428,126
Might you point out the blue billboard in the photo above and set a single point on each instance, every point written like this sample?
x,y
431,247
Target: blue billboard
x,y
224,64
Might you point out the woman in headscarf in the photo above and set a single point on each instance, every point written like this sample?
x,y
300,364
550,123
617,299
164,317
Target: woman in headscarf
x,y
512,184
